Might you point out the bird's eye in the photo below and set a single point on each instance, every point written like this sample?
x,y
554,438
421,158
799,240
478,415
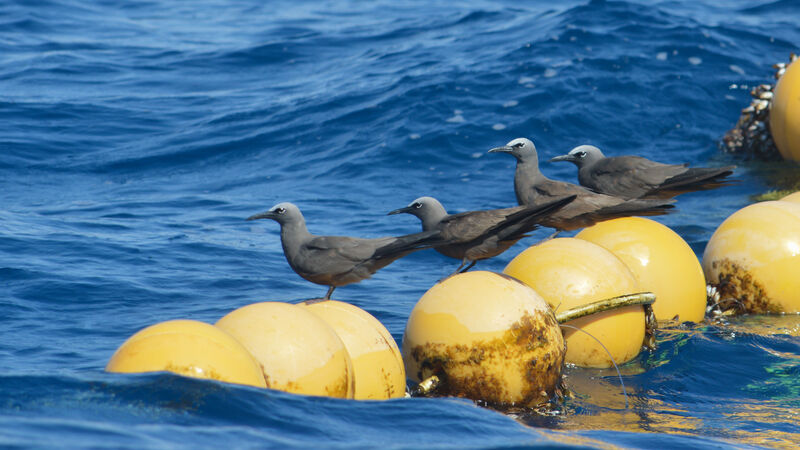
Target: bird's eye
x,y
280,210
417,205
518,145
580,154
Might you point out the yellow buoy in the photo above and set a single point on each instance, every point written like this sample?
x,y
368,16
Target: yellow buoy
x,y
190,348
662,262
377,363
784,115
794,197
569,272
754,257
487,337
297,350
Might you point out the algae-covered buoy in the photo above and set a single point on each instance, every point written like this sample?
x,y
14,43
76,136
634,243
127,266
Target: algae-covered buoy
x,y
661,261
753,259
377,363
487,337
569,272
784,115
297,350
189,348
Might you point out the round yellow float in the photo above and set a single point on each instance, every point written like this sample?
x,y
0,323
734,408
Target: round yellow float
x,y
297,350
794,197
189,348
784,115
754,258
569,272
662,262
377,363
487,337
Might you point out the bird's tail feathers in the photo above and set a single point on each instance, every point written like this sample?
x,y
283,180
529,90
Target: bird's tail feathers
x,y
638,207
695,179
526,220
409,243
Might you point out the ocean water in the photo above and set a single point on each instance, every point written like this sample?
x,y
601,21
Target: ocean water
x,y
136,136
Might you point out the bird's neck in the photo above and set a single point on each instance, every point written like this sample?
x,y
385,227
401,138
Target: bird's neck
x,y
525,178
433,216
293,236
431,221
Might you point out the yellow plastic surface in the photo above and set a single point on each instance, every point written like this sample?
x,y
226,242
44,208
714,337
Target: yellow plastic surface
x,y
189,348
488,337
757,251
784,115
297,350
569,272
661,261
794,197
377,363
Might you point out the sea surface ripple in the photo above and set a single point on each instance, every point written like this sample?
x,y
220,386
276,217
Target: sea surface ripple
x,y
136,136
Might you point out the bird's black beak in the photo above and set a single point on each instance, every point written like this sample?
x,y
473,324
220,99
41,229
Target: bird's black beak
x,y
263,215
503,149
562,158
407,209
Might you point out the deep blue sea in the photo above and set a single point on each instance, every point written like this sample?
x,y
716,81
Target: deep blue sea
x,y
137,135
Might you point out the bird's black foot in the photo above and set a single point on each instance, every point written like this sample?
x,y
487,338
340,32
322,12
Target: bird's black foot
x,y
472,264
552,236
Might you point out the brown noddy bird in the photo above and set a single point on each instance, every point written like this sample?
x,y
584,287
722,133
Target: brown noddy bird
x,y
338,260
533,188
636,177
475,235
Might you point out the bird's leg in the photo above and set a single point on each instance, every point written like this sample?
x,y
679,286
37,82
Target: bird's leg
x,y
549,237
457,271
330,291
472,264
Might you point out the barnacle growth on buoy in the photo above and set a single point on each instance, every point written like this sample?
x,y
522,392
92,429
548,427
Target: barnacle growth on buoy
x,y
752,259
486,337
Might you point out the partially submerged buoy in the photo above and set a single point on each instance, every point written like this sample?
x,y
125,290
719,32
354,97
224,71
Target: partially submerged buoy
x,y
486,337
190,348
753,259
297,350
377,362
569,272
784,115
661,261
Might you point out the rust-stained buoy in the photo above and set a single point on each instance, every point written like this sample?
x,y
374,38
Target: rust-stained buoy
x,y
753,259
297,350
661,261
377,363
486,337
569,272
189,348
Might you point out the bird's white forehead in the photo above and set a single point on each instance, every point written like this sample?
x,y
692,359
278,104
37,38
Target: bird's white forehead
x,y
584,148
422,201
284,205
524,141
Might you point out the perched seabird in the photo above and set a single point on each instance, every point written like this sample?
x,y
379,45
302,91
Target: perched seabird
x,y
475,235
533,188
338,260
636,177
